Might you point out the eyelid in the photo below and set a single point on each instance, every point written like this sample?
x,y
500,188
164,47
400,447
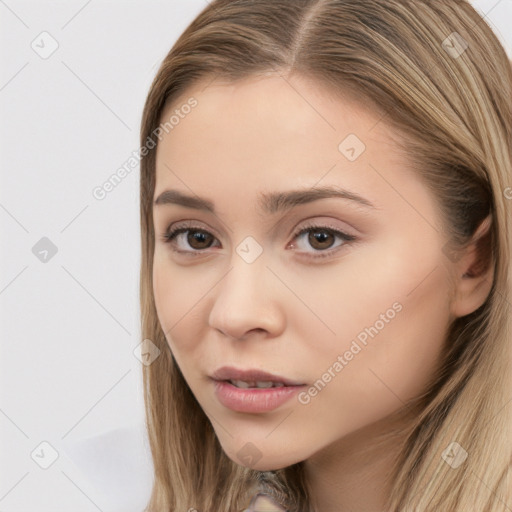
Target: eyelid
x,y
320,221
314,220
192,226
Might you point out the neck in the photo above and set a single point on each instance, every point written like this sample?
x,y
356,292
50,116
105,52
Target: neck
x,y
354,473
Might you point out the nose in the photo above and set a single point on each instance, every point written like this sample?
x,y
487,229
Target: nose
x,y
249,300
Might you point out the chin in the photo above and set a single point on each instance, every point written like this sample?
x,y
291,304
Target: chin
x,y
251,457
272,465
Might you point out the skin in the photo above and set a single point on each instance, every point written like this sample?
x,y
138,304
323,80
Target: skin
x,y
293,315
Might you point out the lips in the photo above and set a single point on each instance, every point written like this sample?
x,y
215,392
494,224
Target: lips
x,y
253,377
252,391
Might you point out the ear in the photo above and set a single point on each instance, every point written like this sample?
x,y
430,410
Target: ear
x,y
474,272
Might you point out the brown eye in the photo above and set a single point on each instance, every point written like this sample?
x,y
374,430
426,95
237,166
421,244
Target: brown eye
x,y
194,239
317,241
199,239
321,239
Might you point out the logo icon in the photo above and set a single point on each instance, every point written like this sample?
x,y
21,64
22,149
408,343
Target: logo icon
x,y
146,352
352,147
44,455
249,249
454,455
44,250
44,45
455,45
450,252
249,455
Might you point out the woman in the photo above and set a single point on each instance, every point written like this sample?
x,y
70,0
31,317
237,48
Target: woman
x,y
325,212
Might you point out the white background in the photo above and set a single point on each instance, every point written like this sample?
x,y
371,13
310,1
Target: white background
x,y
69,326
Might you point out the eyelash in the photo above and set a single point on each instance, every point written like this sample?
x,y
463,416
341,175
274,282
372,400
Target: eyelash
x,y
169,237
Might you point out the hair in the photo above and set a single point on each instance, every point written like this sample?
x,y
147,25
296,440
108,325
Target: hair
x,y
455,114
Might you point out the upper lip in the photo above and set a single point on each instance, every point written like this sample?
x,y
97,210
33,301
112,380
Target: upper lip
x,y
250,375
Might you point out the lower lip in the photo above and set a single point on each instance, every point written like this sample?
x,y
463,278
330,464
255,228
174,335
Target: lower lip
x,y
253,399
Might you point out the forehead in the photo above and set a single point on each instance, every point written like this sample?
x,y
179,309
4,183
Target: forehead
x,y
270,134
270,105
264,119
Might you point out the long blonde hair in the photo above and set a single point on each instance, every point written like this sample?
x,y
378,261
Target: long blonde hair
x,y
439,75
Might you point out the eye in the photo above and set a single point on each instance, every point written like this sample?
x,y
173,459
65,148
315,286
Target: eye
x,y
198,239
320,238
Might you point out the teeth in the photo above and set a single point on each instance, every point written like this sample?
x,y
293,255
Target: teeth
x,y
253,384
264,384
241,384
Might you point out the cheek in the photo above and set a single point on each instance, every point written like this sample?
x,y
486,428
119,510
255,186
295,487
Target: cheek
x,y
163,286
183,298
390,321
176,293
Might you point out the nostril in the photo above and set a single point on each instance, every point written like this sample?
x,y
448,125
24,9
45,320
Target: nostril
x,y
256,330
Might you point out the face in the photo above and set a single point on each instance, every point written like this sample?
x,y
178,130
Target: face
x,y
317,261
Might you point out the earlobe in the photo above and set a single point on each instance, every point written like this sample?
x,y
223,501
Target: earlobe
x,y
474,272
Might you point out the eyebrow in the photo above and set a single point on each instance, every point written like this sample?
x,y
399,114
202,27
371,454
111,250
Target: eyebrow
x,y
271,203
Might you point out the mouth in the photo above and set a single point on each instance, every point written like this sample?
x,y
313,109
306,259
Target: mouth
x,y
242,384
252,378
252,391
